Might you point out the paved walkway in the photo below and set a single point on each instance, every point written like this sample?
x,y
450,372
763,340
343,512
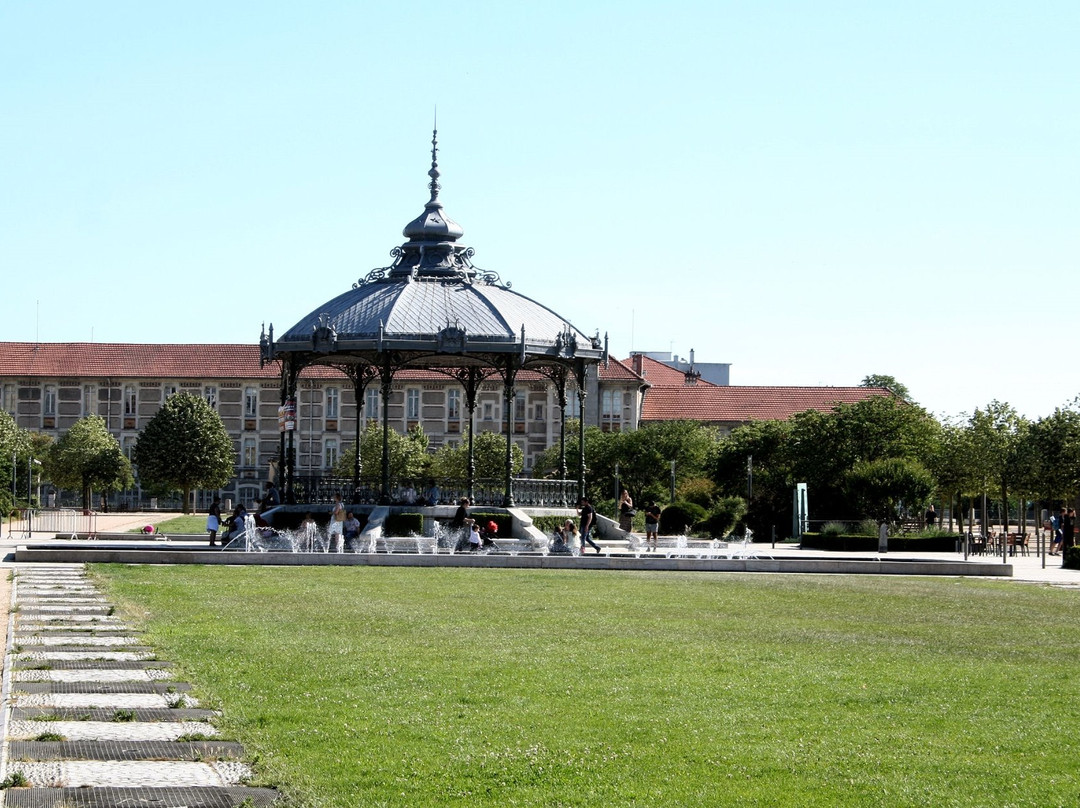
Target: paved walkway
x,y
92,719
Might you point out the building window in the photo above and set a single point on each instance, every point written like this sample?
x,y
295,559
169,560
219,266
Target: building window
x,y
251,402
333,402
488,411
210,394
611,410
49,407
330,453
519,407
371,404
89,400
250,453
453,405
412,404
573,404
9,398
130,400
170,390
538,412
127,445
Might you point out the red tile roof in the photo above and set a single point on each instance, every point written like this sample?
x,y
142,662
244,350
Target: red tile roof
x,y
657,373
615,370
52,360
130,360
717,404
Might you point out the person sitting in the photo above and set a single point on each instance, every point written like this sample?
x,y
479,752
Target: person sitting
x,y
236,523
352,531
489,533
566,540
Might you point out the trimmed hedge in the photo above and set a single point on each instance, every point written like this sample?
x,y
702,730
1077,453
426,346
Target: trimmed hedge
x,y
403,524
1071,559
862,544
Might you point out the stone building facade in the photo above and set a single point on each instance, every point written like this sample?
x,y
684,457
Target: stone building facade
x,y
47,387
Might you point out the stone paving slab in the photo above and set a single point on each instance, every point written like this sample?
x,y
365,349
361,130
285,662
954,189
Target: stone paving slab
x,y
77,641
229,797
187,751
122,701
136,654
22,730
131,773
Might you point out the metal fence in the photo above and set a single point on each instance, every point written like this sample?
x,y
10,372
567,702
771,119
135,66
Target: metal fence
x,y
64,522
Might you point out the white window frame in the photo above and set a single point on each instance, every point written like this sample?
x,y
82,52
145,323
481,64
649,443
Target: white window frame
x,y
251,402
412,404
330,453
48,403
453,405
249,453
372,400
210,394
89,399
333,402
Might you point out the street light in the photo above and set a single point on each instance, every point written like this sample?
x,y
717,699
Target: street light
x,y
30,463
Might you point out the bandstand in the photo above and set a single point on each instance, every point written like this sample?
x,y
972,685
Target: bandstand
x,y
433,309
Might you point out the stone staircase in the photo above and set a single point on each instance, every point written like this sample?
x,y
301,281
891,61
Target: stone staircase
x,y
92,719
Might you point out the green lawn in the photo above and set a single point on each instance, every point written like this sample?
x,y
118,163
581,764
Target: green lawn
x,y
189,523
365,686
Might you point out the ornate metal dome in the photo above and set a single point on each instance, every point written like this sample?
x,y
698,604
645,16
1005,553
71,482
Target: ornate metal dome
x,y
432,301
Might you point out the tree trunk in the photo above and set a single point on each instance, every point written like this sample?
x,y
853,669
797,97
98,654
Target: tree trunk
x,y
187,500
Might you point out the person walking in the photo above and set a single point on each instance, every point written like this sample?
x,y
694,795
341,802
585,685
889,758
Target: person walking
x,y
652,525
213,521
588,522
335,531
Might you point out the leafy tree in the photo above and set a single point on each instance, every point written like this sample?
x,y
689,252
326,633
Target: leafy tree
x,y
645,456
995,438
952,466
451,463
880,487
889,383
767,443
1054,443
14,442
184,447
408,454
825,446
88,457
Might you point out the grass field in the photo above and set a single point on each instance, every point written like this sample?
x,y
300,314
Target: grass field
x,y
188,523
364,686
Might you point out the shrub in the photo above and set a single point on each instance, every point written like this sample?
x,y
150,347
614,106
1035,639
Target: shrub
x,y
549,524
833,529
403,524
698,490
681,518
1071,559
724,516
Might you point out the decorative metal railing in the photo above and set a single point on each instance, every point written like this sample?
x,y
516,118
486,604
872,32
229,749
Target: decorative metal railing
x,y
320,490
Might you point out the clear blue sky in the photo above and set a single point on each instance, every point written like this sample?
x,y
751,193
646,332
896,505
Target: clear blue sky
x,y
812,192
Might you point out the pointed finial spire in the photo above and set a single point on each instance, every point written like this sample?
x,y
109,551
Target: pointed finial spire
x,y
434,172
